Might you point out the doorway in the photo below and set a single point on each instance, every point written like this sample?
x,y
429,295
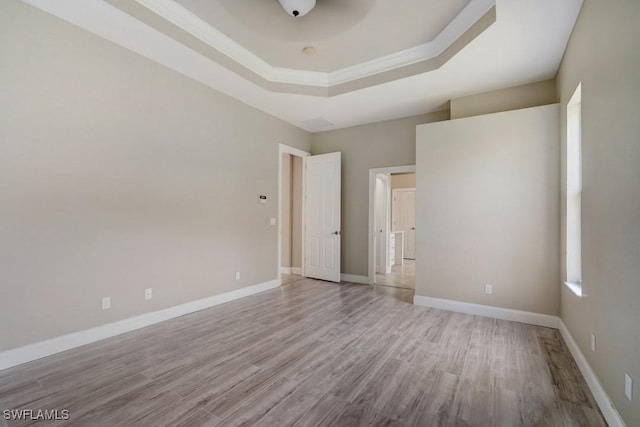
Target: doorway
x,y
291,218
291,214
392,219
309,215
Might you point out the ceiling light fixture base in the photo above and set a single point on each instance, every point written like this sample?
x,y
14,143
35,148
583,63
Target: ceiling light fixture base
x,y
297,8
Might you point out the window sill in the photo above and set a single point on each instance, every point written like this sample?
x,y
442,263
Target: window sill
x,y
576,288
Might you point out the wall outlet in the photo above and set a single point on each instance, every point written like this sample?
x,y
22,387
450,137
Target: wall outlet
x,y
488,289
148,294
628,386
272,221
237,275
106,303
593,342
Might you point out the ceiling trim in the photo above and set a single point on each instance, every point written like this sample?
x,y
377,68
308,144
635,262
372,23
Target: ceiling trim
x,y
194,25
521,47
472,13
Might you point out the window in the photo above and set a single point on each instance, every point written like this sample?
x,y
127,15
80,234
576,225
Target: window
x,y
574,192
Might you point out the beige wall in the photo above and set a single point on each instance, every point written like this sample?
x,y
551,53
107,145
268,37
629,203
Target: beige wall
x,y
487,200
403,180
531,95
603,55
285,212
296,212
383,144
117,174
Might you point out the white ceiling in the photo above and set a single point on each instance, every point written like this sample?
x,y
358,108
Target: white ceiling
x,y
524,45
344,33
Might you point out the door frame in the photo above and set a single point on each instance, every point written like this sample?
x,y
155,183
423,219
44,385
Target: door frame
x,y
286,149
372,218
386,215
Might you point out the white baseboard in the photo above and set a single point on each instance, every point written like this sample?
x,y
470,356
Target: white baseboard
x,y
353,278
609,411
296,270
285,270
51,346
488,311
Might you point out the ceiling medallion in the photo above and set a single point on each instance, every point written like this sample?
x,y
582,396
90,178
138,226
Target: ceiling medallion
x,y
297,8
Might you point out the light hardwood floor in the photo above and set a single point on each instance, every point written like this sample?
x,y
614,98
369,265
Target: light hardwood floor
x,y
401,276
313,354
285,279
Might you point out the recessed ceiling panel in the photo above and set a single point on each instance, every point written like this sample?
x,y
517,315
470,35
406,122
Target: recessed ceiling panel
x,y
343,32
522,46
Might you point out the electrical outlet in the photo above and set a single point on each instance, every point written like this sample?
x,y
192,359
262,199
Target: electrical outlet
x,y
237,275
628,386
272,221
148,294
593,342
488,289
106,303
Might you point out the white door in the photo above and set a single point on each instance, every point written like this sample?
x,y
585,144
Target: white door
x,y
382,214
404,218
322,213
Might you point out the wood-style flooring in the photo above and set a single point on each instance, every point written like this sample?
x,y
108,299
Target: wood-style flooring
x,y
285,279
313,354
401,276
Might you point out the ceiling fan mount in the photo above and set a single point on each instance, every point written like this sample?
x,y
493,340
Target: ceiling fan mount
x,y
297,8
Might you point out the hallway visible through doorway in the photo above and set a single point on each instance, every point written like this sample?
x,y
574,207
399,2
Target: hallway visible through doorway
x,y
394,222
401,276
291,212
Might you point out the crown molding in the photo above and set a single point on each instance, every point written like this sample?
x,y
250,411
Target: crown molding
x,y
194,25
475,10
298,77
191,23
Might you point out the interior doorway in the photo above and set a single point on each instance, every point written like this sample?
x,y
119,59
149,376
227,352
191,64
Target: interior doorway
x,y
309,215
392,219
291,213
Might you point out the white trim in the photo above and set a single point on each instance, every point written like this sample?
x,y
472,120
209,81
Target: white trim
x,y
291,270
538,319
27,353
194,25
354,278
297,77
474,10
197,27
609,411
372,218
576,288
286,149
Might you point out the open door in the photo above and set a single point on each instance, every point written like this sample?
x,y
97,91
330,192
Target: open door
x,y
322,216
382,219
404,218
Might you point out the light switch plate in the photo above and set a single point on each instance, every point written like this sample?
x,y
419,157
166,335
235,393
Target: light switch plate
x,y
272,221
628,386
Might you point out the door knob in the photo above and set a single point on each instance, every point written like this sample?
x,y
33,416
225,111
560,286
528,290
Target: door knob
x,y
413,228
337,233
